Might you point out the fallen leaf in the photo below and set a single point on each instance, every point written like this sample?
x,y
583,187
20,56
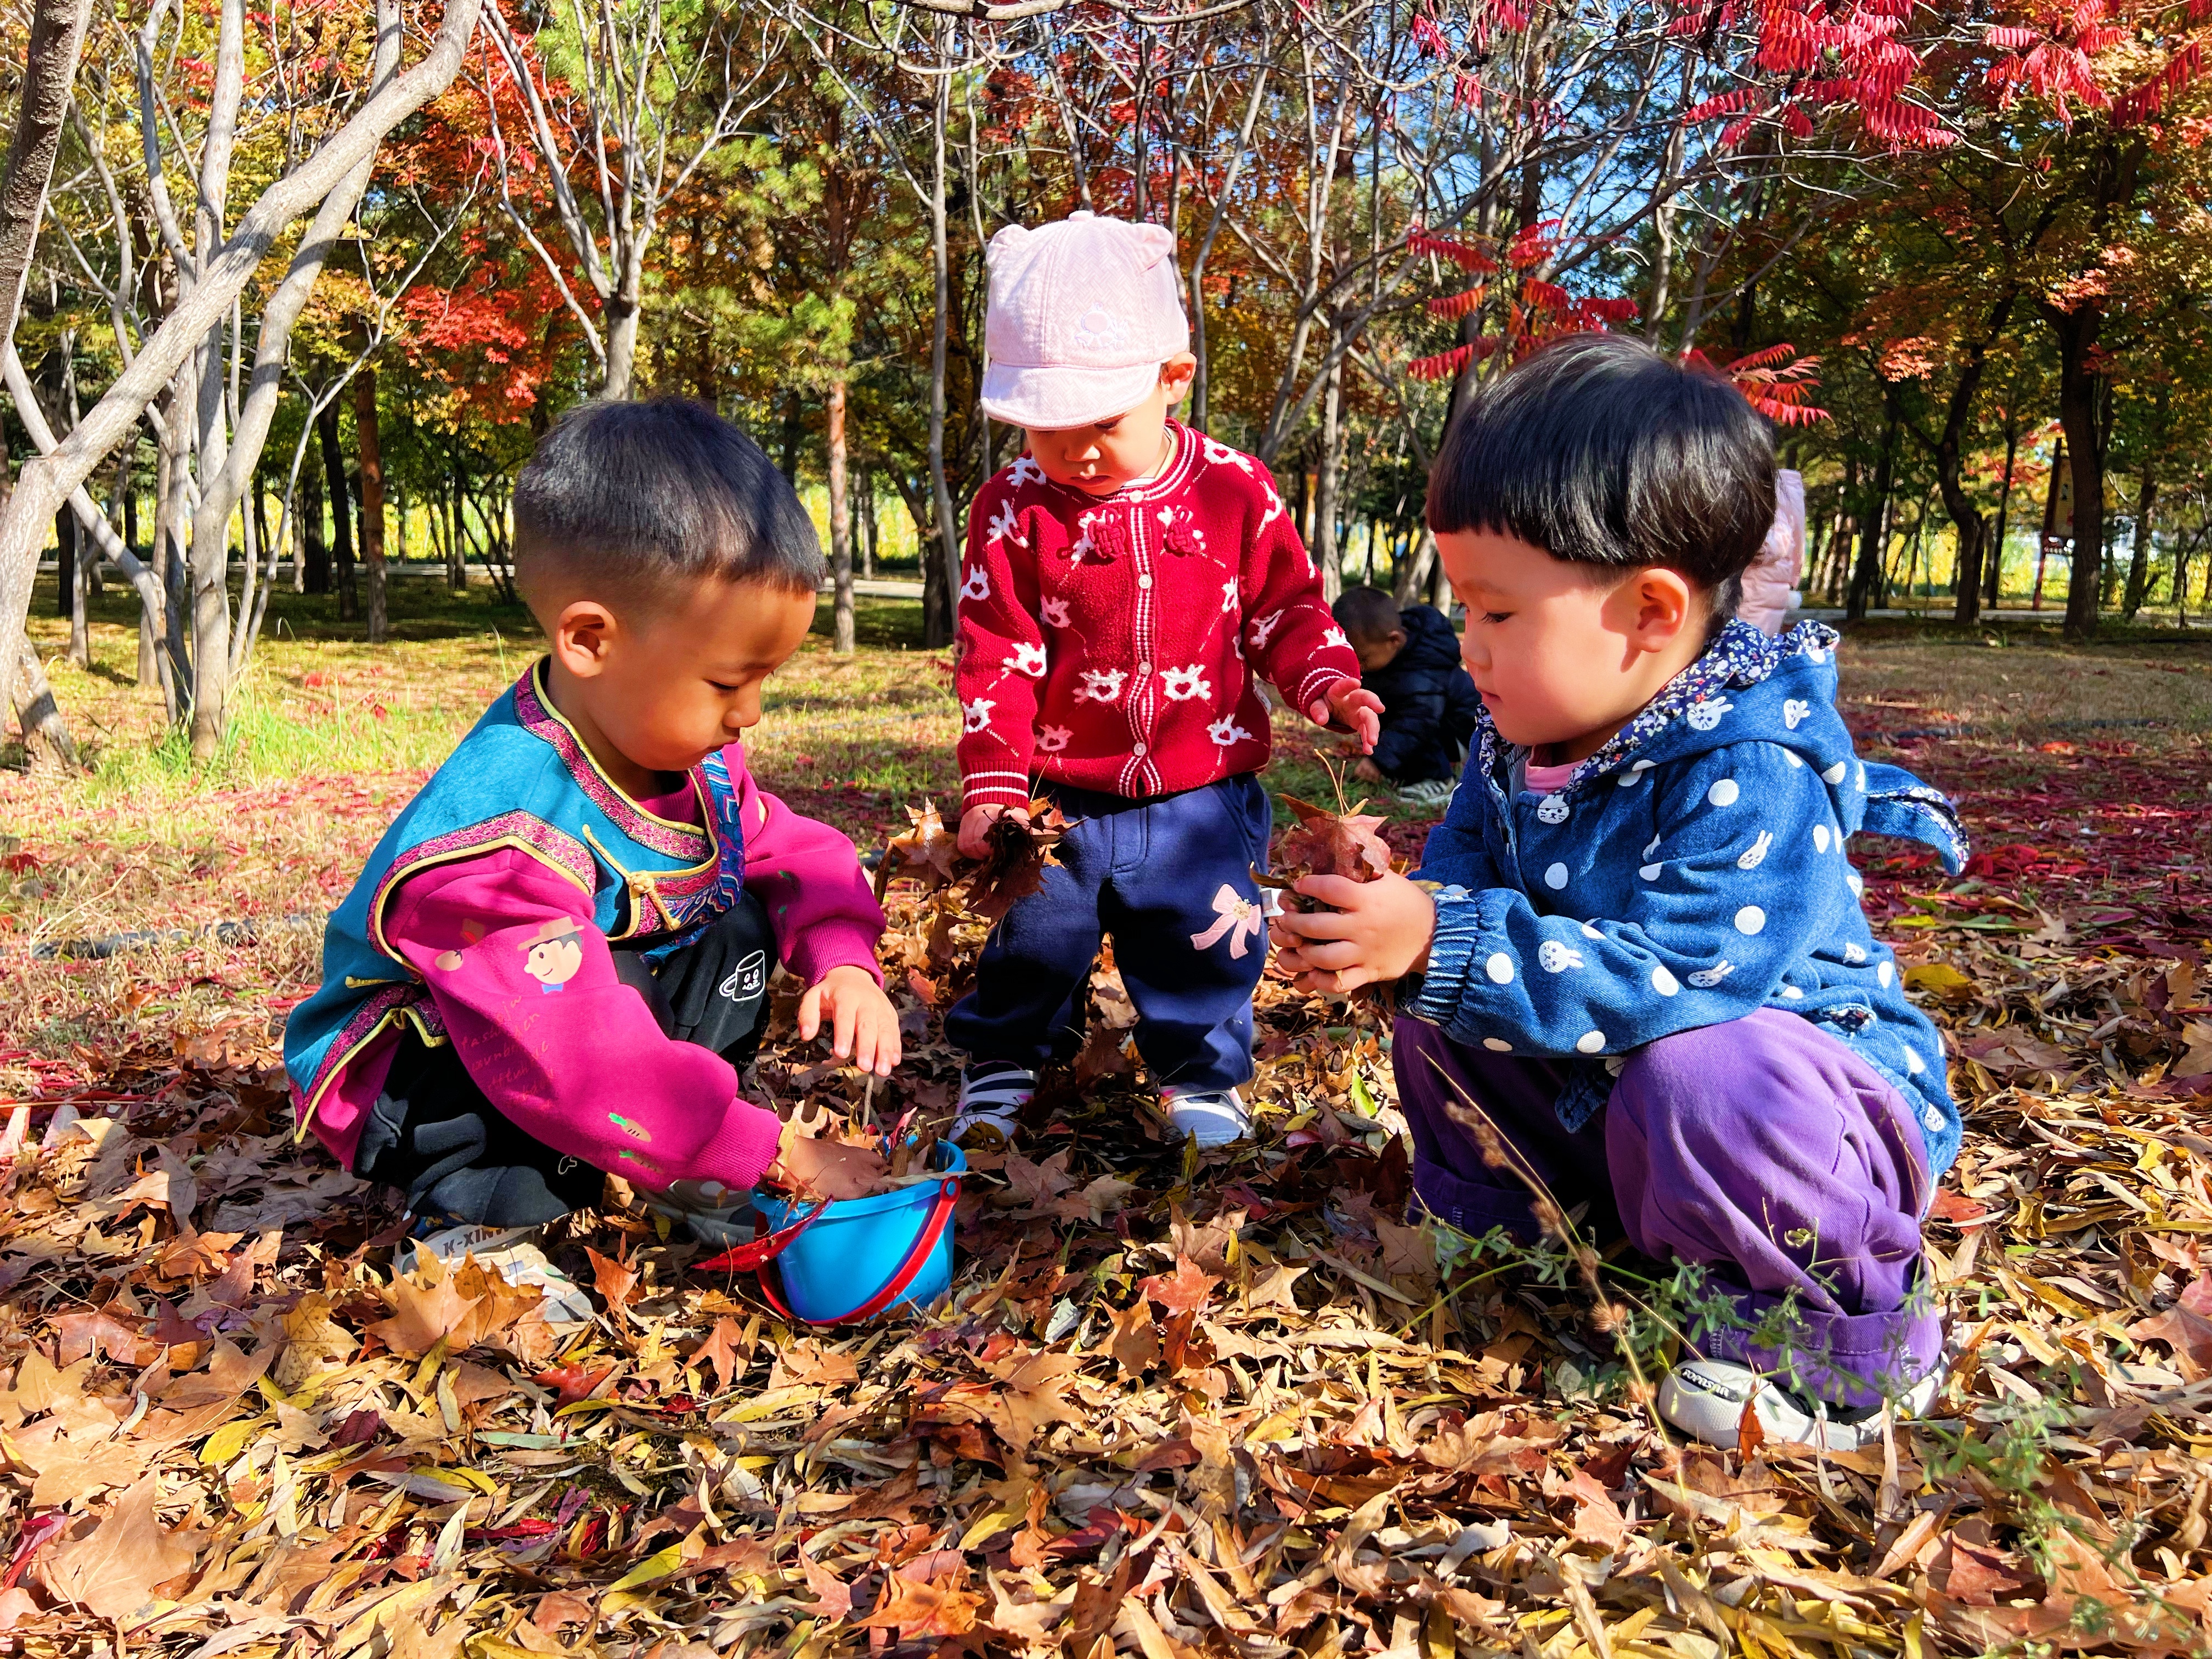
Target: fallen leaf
x,y
912,1610
112,1572
616,1282
1135,1344
719,1351
1324,844
1184,1290
1032,1392
426,1309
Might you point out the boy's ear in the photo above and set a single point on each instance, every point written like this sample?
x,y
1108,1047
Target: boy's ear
x,y
1664,604
582,636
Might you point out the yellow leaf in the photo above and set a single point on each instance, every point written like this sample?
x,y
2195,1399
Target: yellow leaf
x,y
1940,981
659,1564
224,1445
996,1522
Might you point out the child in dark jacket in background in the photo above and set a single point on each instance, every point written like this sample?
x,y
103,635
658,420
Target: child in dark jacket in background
x,y
1410,659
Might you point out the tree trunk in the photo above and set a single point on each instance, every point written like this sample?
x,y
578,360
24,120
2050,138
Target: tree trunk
x,y
840,524
372,499
623,315
49,70
868,525
938,617
334,472
2139,561
315,554
80,645
149,670
457,564
1950,456
1412,575
1329,553
2080,384
64,560
1874,522
36,712
2146,500
1993,571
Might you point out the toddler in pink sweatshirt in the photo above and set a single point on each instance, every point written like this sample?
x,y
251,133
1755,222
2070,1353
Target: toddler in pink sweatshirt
x,y
556,962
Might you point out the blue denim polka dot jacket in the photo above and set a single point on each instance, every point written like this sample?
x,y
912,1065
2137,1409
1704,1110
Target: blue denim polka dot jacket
x,y
1693,870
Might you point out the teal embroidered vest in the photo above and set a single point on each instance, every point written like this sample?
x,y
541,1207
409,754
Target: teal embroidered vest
x,y
522,780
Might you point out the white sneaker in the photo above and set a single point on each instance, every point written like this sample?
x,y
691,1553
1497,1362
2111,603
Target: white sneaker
x,y
1212,1117
1705,1398
992,1094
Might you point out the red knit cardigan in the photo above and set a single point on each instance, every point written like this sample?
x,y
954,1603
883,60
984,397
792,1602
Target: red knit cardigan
x,y
1111,643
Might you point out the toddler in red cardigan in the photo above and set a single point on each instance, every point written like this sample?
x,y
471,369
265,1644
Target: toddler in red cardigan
x,y
1125,581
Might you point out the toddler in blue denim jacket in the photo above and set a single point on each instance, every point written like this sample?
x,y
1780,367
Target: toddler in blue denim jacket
x,y
1635,946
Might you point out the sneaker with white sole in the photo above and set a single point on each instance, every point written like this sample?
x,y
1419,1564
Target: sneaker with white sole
x,y
1212,1117
1430,791
1705,1398
992,1094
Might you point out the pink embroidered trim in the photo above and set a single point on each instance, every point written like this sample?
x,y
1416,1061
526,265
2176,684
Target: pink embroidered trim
x,y
676,840
564,851
366,1021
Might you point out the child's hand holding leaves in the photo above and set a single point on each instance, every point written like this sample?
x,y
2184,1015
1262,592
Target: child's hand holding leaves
x,y
976,826
1374,931
1377,924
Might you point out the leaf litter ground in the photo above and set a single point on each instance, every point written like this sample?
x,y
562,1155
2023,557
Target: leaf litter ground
x,y
1229,1405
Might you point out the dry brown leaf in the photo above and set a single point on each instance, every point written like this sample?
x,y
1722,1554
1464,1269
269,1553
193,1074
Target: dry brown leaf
x,y
230,1372
1135,1344
1014,860
1032,1392
833,1596
1184,1290
929,850
913,1610
39,1387
1598,1519
719,1351
426,1309
312,1339
616,1282
112,1572
1325,843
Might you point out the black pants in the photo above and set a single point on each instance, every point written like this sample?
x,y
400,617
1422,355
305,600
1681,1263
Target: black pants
x,y
433,1135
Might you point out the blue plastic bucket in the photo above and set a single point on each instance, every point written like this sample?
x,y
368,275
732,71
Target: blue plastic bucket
x,y
845,1257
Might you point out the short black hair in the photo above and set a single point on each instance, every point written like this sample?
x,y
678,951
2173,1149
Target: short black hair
x,y
637,497
1366,613
1603,452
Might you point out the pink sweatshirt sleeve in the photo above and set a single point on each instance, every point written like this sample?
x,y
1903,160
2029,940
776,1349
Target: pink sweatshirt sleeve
x,y
819,899
527,987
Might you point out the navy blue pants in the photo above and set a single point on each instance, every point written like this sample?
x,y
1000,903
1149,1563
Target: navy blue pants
x,y
1170,878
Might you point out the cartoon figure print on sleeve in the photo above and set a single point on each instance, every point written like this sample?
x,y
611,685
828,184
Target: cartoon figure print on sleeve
x,y
553,955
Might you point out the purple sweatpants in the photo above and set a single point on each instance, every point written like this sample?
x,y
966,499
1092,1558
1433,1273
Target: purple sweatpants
x,y
1761,1148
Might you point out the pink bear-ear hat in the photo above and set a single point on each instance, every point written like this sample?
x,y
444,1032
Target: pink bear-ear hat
x,y
1082,314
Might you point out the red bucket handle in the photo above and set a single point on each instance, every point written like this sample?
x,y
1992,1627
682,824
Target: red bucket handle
x,y
940,1212
748,1256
